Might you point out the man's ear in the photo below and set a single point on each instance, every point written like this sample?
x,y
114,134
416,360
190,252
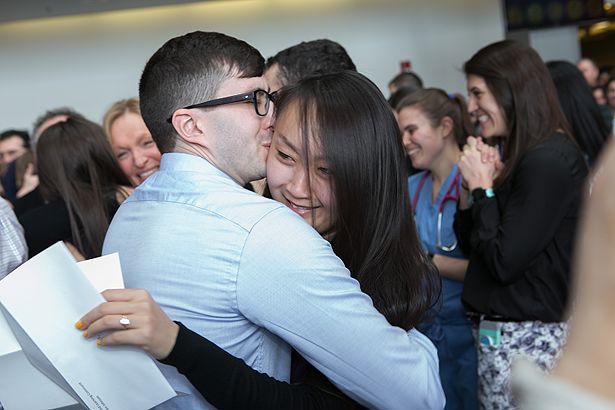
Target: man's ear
x,y
188,126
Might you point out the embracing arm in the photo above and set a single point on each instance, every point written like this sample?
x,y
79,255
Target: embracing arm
x,y
300,291
225,381
228,382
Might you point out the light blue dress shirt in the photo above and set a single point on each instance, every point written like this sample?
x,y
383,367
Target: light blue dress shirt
x,y
253,277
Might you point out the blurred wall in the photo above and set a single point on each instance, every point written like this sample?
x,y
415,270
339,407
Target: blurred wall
x,y
88,61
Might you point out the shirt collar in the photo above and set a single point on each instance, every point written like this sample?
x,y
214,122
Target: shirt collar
x,y
176,161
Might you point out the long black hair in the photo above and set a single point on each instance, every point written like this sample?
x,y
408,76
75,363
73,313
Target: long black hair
x,y
76,164
580,108
374,232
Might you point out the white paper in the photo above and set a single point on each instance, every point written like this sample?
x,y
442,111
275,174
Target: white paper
x,y
46,296
104,272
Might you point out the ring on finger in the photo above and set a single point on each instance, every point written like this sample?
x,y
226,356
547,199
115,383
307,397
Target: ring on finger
x,y
125,322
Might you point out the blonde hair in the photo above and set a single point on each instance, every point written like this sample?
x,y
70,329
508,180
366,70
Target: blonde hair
x,y
118,109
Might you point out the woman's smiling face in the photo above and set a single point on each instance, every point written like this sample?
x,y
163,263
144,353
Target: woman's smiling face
x,y
485,108
297,179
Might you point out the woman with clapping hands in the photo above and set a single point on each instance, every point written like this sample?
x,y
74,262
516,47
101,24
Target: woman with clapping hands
x,y
517,215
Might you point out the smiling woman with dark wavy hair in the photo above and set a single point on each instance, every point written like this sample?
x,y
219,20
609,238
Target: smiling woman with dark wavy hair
x,y
517,214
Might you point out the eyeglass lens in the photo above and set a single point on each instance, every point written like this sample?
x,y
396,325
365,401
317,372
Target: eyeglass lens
x,y
262,102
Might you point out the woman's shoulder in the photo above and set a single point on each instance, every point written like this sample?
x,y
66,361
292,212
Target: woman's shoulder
x,y
559,152
558,143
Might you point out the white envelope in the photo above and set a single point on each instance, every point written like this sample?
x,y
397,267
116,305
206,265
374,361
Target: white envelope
x,y
41,301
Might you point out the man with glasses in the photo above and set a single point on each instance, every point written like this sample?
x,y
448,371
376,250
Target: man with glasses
x,y
242,270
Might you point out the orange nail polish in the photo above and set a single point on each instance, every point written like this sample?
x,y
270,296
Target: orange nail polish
x,y
79,324
98,342
85,334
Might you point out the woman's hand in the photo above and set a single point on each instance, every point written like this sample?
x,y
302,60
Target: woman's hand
x,y
30,181
490,154
479,164
147,326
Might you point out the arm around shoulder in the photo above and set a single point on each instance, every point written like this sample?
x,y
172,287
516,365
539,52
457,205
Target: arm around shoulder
x,y
229,383
291,283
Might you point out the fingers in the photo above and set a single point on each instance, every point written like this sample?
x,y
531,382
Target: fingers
x,y
121,337
125,295
105,309
490,154
111,322
468,150
120,302
132,317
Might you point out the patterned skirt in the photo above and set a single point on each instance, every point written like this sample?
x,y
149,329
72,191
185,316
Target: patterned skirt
x,y
536,341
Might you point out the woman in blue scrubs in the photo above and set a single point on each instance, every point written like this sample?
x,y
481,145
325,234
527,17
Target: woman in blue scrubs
x,y
434,125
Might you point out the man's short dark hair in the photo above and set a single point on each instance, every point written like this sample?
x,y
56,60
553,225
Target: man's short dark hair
x,y
310,58
406,79
188,70
16,133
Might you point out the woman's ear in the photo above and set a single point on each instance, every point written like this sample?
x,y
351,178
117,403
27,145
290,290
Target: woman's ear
x,y
446,124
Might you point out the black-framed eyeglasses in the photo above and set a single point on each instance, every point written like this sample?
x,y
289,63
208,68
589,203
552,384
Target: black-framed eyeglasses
x,y
260,98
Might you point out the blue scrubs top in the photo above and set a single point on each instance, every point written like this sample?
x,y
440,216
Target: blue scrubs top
x,y
426,218
448,328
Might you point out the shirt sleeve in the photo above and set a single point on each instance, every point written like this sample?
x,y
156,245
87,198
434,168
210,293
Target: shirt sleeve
x,y
542,191
13,251
229,383
291,283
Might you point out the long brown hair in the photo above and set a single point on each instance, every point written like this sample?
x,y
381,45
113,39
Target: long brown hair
x,y
522,86
76,164
374,232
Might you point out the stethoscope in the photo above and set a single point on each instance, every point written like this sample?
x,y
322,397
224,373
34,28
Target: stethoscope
x,y
452,194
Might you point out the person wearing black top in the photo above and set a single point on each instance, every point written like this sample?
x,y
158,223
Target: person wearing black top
x,y
82,185
517,216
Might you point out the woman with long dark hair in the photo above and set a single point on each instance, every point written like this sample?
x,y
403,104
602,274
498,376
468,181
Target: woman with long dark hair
x,y
82,185
580,108
336,159
517,216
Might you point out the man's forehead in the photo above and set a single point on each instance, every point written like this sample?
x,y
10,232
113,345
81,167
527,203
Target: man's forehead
x,y
13,140
237,85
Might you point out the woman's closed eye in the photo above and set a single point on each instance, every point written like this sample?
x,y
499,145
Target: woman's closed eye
x,y
284,157
410,129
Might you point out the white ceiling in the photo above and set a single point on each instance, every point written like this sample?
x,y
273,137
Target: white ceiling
x,y
12,10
